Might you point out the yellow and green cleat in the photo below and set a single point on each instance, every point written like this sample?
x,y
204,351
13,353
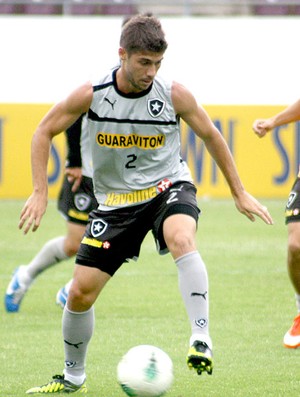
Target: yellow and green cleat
x,y
58,385
200,358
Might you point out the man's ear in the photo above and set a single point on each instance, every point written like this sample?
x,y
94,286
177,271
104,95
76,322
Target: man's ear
x,y
122,53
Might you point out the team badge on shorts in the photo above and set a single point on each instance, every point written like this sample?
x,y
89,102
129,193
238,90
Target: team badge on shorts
x,y
82,201
155,107
98,227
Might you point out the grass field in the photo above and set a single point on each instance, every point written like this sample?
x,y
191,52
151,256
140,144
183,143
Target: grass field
x,y
251,307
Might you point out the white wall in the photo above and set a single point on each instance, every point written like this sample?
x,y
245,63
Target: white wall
x,y
230,60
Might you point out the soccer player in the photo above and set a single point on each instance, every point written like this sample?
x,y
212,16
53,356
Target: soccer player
x,y
76,200
141,183
292,217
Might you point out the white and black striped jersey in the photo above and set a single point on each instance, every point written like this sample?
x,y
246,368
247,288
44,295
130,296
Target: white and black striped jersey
x,y
135,141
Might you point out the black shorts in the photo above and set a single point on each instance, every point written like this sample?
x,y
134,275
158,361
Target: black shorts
x,y
76,206
292,209
113,237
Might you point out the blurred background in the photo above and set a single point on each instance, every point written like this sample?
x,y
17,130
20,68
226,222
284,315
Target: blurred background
x,y
159,7
240,58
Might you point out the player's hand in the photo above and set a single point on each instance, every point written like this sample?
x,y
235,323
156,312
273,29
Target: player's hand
x,y
261,127
249,206
32,212
74,175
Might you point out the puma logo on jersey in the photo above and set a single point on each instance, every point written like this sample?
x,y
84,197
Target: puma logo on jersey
x,y
111,103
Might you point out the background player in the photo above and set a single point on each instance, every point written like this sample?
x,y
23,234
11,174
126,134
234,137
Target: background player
x,y
292,217
75,201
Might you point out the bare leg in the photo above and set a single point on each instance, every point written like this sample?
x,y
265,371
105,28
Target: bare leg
x,y
292,337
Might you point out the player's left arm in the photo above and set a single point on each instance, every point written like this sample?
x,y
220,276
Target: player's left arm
x,y
290,114
195,116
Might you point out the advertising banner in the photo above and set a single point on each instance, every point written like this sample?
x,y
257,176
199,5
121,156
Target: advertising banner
x,y
17,125
267,166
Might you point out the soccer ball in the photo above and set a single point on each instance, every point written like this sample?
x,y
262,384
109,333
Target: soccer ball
x,y
145,371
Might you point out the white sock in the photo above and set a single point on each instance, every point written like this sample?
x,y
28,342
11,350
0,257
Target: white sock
x,y
50,254
193,285
203,338
23,277
297,302
78,329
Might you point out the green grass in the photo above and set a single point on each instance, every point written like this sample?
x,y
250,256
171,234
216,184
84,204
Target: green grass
x,y
251,307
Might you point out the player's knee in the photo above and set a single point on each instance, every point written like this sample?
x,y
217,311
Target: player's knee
x,y
181,243
71,248
79,300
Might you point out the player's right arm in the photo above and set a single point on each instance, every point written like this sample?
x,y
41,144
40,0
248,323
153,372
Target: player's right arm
x,y
57,120
288,115
195,116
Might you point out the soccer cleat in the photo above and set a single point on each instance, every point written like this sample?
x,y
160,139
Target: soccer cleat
x,y
200,358
292,337
58,385
14,293
61,297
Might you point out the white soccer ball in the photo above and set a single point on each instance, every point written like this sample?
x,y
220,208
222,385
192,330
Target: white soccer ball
x,y
145,371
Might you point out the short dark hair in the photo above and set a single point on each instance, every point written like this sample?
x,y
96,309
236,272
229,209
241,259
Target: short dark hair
x,y
143,33
127,18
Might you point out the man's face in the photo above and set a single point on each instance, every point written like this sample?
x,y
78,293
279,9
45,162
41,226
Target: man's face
x,y
139,69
